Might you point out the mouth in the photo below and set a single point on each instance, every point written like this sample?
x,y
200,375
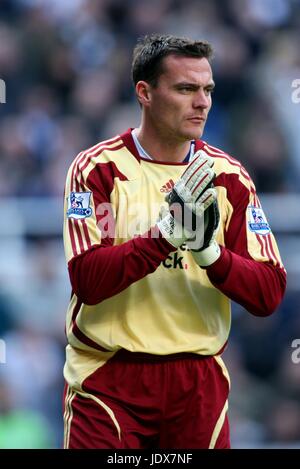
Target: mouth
x,y
197,119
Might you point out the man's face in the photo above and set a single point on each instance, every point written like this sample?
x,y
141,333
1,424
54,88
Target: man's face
x,y
179,104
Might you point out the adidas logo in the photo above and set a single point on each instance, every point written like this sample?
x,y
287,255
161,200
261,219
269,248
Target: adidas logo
x,y
168,186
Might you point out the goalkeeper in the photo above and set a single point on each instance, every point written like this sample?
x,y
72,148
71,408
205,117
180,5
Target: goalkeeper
x,y
149,314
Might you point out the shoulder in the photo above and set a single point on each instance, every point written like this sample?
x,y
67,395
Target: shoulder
x,y
223,159
102,163
101,152
227,167
95,151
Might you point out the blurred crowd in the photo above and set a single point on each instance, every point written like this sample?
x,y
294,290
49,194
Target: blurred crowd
x,y
66,65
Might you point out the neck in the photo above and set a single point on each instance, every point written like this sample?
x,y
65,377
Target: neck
x,y
162,149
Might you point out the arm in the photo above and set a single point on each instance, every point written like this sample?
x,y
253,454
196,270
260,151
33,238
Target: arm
x,y
259,287
105,271
97,268
249,270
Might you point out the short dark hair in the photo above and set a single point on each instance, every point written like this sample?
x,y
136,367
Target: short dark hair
x,y
151,49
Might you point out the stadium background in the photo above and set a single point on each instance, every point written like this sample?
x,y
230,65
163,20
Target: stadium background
x,y
66,65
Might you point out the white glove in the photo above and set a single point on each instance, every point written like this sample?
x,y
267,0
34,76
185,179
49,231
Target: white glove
x,y
189,199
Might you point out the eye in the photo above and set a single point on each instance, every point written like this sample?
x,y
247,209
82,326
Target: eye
x,y
185,89
209,90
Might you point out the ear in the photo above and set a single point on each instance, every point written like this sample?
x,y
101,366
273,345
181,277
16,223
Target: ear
x,y
143,92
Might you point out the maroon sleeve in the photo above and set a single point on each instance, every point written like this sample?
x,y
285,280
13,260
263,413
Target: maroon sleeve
x,y
105,271
257,286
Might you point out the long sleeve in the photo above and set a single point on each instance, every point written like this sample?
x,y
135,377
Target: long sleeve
x,y
249,270
105,271
258,286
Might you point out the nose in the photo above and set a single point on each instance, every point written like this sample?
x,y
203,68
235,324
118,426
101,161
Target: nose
x,y
202,100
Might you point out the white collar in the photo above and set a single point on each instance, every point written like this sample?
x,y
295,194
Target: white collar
x,y
139,147
143,154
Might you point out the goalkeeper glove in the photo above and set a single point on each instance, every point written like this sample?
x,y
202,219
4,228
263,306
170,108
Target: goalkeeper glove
x,y
189,199
210,250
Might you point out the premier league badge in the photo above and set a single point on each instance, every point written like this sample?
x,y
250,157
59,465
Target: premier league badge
x,y
79,205
258,222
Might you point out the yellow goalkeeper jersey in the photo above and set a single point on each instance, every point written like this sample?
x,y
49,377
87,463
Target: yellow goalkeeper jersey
x,y
131,289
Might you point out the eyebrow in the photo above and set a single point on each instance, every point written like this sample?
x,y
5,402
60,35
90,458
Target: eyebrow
x,y
194,86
